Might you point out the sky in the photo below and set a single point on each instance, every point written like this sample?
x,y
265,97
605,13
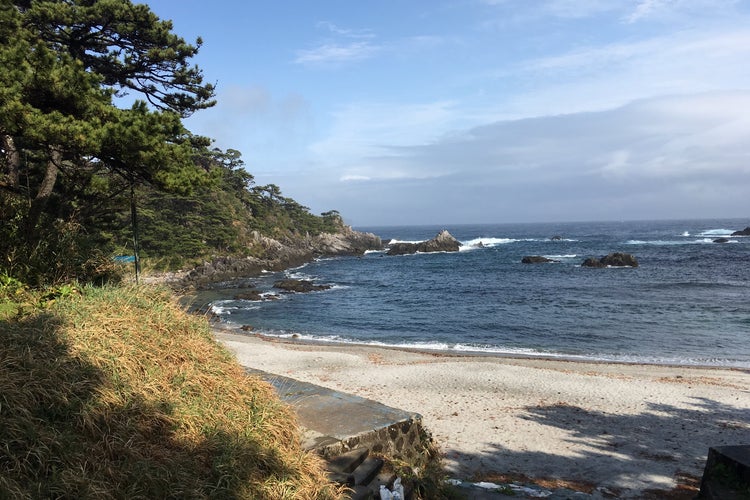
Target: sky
x,y
482,111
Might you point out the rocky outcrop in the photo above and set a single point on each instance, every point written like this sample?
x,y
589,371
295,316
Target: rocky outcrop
x,y
275,255
612,260
346,242
721,240
536,259
443,242
743,232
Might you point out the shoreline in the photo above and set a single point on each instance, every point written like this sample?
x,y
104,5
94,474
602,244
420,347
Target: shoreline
x,y
297,339
628,428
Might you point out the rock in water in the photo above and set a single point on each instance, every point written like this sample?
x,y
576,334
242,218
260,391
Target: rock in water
x,y
536,259
617,259
443,242
299,286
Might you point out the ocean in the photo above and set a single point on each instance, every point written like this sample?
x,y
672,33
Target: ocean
x,y
688,302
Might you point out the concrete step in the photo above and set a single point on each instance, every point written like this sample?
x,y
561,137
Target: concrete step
x,y
347,430
727,473
341,467
366,472
335,422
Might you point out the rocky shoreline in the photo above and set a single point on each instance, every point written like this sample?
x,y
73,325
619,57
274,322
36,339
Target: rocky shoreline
x,y
276,255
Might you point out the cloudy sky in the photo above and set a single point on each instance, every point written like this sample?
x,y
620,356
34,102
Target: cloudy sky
x,y
479,111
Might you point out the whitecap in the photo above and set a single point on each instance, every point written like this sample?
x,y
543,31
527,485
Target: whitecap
x,y
394,241
487,242
716,232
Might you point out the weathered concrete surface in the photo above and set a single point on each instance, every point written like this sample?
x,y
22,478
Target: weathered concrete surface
x,y
727,473
335,422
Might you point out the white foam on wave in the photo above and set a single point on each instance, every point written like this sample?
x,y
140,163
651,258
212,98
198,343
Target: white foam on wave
x,y
227,307
566,256
405,241
487,242
716,232
699,241
511,351
299,275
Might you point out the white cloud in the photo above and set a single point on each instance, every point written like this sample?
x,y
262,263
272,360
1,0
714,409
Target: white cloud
x,y
362,130
336,53
354,178
675,137
644,8
579,8
603,77
345,32
344,45
680,156
671,10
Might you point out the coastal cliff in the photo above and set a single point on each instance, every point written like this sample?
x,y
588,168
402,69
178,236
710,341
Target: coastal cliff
x,y
278,254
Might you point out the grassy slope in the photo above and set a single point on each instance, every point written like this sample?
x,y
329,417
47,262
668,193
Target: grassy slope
x,y
119,394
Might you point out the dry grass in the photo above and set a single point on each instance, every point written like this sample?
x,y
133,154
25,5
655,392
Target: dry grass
x,y
118,393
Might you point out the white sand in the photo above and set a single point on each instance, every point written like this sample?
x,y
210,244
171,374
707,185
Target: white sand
x,y
626,428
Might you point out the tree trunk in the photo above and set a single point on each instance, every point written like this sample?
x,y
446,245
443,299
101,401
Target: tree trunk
x,y
39,203
13,161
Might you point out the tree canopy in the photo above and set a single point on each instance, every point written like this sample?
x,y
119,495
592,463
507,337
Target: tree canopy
x,y
93,94
65,65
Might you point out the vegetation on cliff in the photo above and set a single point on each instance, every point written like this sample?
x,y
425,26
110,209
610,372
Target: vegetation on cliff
x,y
92,145
117,393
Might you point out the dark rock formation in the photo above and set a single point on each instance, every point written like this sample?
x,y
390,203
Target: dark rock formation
x,y
402,248
536,259
744,232
721,240
556,237
614,259
443,242
592,262
299,286
249,295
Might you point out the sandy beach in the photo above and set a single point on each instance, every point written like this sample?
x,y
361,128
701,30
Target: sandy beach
x,y
620,428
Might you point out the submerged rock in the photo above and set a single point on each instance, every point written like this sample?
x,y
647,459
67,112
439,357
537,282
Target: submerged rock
x,y
443,242
300,286
743,232
249,295
721,240
536,259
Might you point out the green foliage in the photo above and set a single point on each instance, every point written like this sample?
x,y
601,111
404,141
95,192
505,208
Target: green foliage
x,y
69,156
219,219
68,152
11,288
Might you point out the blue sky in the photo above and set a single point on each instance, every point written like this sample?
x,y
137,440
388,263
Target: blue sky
x,y
481,111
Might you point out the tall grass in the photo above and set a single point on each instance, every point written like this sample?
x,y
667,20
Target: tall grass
x,y
117,393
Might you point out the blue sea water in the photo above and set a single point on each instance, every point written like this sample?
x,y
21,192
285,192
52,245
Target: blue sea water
x,y
687,303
